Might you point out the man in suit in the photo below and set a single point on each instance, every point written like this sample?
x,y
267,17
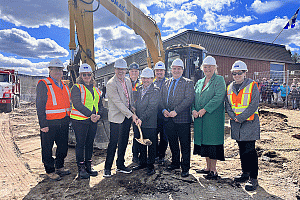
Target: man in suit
x,y
119,94
177,97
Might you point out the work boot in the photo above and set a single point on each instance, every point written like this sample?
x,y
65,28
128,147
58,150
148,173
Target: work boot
x,y
62,171
53,176
251,185
242,178
89,169
82,174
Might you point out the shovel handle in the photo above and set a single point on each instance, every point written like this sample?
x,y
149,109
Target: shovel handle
x,y
140,130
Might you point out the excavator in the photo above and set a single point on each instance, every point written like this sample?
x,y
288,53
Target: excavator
x,y
81,23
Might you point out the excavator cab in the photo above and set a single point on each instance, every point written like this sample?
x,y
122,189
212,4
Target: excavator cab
x,y
192,56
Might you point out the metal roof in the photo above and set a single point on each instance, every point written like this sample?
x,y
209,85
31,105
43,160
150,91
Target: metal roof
x,y
215,45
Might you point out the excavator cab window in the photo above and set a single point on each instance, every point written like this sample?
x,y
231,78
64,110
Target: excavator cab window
x,y
191,57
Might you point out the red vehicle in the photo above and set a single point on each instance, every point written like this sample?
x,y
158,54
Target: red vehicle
x,y
9,90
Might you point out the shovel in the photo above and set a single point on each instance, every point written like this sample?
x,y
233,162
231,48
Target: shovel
x,y
141,140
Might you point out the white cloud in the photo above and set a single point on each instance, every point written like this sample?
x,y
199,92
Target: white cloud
x,y
264,7
114,42
177,19
268,31
213,21
19,42
24,66
212,5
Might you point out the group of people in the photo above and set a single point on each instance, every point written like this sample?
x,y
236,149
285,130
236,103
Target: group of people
x,y
156,105
272,92
55,112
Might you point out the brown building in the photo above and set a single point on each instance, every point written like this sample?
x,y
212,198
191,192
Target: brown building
x,y
259,56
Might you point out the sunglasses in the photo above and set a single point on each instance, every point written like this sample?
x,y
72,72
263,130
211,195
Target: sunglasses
x,y
84,75
236,73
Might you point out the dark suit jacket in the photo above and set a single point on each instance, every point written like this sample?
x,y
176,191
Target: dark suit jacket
x,y
183,98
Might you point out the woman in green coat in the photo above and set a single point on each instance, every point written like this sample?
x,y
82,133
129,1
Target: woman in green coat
x,y
209,116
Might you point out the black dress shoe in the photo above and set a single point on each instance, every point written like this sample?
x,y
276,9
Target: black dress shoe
x,y
212,176
172,167
150,172
185,174
202,171
139,167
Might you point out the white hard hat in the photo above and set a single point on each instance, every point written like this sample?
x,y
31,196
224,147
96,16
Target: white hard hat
x,y
209,60
121,63
178,62
56,63
147,73
239,65
160,65
85,68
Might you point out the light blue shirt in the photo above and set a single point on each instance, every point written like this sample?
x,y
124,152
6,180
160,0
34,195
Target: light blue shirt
x,y
176,82
56,83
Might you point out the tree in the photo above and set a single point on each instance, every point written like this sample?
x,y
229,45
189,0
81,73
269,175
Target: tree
x,y
296,57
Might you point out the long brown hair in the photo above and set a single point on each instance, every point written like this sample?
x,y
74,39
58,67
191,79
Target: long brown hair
x,y
79,80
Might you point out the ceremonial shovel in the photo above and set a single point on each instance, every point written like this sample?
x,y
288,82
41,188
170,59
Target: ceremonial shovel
x,y
141,140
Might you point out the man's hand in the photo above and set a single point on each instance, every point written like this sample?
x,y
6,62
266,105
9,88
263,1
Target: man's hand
x,y
166,113
138,122
201,112
195,114
45,129
134,118
173,113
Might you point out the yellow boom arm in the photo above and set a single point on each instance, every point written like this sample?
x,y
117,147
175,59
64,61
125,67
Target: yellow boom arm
x,y
126,12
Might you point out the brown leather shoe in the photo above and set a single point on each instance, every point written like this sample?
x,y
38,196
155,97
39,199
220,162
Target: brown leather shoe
x,y
54,176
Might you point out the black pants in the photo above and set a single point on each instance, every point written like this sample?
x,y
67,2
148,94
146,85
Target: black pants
x,y
59,135
249,159
162,145
179,132
147,158
119,134
85,135
135,145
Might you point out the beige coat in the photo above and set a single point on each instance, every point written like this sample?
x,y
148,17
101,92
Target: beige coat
x,y
117,109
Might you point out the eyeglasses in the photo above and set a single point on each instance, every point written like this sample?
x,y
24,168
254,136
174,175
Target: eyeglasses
x,y
84,75
236,73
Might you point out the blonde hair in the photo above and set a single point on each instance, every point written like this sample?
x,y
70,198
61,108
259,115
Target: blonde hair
x,y
216,70
79,80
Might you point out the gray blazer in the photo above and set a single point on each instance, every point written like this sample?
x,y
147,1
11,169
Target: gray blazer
x,y
117,109
184,95
245,130
146,106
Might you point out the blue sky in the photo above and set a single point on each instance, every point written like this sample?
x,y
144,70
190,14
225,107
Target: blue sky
x,y
32,32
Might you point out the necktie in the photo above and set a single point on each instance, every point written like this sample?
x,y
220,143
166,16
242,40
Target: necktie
x,y
171,96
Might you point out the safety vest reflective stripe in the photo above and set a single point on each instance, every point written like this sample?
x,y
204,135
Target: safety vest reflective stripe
x,y
75,114
51,91
239,103
57,111
135,86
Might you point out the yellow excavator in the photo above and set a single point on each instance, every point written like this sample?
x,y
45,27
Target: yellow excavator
x,y
81,22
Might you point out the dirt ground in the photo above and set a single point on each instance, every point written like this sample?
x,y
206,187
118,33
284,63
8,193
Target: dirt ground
x,y
23,175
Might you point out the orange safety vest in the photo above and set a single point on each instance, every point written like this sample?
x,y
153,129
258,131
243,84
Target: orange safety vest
x,y
58,103
240,102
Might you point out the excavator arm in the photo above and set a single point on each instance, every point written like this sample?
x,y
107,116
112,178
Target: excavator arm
x,y
143,25
81,18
